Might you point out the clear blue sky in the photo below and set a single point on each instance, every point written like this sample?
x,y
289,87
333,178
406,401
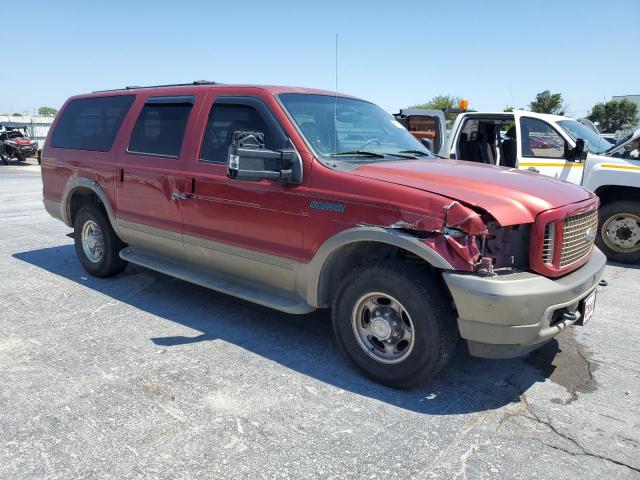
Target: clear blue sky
x,y
395,53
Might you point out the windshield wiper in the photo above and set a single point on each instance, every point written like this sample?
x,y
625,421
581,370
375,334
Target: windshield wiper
x,y
363,153
417,152
421,152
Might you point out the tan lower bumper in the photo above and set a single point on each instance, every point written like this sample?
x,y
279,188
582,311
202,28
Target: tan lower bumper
x,y
518,311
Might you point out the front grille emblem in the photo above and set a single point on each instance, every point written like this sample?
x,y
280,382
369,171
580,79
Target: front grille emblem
x,y
590,233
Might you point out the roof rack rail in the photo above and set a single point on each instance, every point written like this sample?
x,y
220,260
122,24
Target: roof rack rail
x,y
135,87
197,82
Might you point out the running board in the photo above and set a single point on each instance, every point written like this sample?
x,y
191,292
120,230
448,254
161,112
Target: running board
x,y
262,295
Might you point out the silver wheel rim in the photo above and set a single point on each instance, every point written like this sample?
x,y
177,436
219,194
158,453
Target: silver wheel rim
x,y
92,241
621,232
383,328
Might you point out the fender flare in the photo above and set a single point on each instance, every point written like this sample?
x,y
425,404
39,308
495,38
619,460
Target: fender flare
x,y
604,177
311,275
82,182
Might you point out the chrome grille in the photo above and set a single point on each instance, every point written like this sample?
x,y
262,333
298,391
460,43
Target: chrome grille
x,y
547,244
576,242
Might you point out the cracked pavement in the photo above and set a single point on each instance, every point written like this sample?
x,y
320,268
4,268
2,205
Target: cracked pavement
x,y
145,376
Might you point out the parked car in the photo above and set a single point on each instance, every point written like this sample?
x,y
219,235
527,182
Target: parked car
x,y
563,148
300,199
15,142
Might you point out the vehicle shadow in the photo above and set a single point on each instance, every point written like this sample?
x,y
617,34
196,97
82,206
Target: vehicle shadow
x,y
303,343
635,266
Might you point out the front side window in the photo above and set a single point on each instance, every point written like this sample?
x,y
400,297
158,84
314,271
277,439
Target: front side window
x,y
160,129
594,142
539,139
353,130
224,119
91,123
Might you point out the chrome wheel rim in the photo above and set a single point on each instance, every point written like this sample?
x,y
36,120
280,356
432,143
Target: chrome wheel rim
x,y
383,328
92,241
621,232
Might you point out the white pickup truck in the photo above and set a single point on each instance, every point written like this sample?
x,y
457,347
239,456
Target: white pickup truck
x,y
549,145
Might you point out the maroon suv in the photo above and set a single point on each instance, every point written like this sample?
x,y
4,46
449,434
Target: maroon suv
x,y
300,199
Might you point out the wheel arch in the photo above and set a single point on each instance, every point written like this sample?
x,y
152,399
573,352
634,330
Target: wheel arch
x,y
612,193
81,190
348,249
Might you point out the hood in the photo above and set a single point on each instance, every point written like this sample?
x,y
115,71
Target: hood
x,y
511,196
618,148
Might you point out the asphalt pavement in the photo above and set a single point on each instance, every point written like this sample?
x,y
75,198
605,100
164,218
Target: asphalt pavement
x,y
146,376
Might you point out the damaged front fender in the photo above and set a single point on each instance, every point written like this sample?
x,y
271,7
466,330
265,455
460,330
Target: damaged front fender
x,y
454,239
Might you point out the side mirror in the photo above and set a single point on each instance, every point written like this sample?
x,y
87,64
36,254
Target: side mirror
x,y
427,142
577,153
249,159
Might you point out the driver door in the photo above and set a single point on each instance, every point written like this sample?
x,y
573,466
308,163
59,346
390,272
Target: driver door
x,y
248,229
541,148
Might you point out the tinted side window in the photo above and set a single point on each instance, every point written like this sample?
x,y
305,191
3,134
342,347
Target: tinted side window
x,y
539,139
160,128
91,123
224,119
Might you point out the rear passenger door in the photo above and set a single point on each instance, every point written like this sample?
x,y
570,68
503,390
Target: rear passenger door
x,y
150,180
250,229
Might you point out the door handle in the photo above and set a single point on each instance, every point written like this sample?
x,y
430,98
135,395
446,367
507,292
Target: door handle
x,y
533,169
181,196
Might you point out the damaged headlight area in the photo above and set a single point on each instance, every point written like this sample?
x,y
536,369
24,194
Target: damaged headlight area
x,y
472,241
507,246
483,241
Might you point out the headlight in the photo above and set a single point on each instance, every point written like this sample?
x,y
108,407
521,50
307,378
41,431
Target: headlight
x,y
11,143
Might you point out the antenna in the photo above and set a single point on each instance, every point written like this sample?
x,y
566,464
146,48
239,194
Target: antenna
x,y
335,106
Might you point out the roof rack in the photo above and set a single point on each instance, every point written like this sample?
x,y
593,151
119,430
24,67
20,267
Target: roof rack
x,y
135,87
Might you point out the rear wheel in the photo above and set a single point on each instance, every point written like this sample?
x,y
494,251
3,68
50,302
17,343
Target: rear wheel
x,y
619,232
394,322
97,245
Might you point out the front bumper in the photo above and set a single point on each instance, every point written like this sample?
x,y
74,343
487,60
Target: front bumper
x,y
510,315
27,151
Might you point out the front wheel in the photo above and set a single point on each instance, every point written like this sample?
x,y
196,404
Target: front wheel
x,y
394,322
619,232
97,245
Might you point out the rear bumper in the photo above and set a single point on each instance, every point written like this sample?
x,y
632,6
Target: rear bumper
x,y
511,315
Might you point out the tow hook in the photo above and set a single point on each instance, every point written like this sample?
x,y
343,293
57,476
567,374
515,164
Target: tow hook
x,y
484,267
571,316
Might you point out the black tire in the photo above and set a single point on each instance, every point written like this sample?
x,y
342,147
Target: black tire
x,y
110,262
607,214
39,155
5,159
434,323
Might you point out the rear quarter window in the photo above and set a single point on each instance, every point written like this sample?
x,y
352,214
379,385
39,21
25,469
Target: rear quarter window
x,y
91,123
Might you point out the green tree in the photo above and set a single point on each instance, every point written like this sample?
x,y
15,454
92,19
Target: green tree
x,y
440,102
614,115
16,114
508,108
47,111
547,102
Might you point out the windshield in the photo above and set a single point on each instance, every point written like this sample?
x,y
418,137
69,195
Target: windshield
x,y
15,134
353,130
594,142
